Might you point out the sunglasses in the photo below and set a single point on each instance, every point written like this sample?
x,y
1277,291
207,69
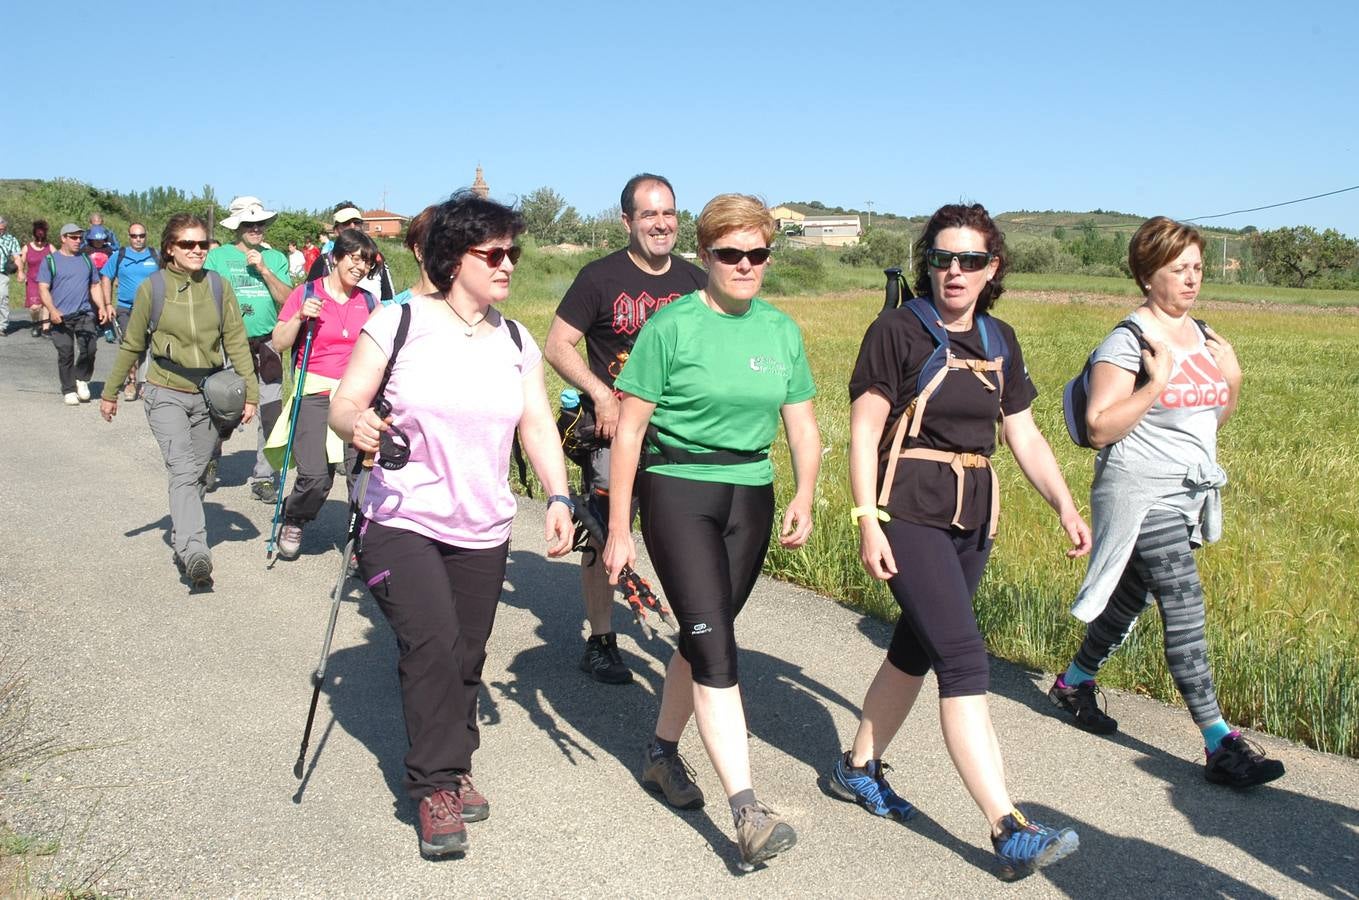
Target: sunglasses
x,y
732,257
189,245
968,261
351,223
496,255
254,226
72,237
134,235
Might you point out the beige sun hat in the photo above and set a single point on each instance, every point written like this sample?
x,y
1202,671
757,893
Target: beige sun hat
x,y
246,209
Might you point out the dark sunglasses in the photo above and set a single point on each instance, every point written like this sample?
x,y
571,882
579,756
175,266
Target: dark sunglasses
x,y
189,245
134,235
968,261
730,256
496,255
72,237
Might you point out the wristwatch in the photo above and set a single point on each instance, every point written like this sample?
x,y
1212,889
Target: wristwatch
x,y
564,500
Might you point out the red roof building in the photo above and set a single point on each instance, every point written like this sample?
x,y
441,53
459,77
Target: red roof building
x,y
381,223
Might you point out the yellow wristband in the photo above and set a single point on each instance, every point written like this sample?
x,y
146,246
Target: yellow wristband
x,y
859,512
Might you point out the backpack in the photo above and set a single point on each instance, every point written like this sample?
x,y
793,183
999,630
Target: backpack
x,y
157,281
938,365
52,263
122,253
1076,394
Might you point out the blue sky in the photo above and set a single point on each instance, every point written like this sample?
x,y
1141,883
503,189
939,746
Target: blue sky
x,y
1151,108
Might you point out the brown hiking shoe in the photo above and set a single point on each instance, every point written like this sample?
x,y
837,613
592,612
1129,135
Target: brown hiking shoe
x,y
475,806
441,827
761,833
672,777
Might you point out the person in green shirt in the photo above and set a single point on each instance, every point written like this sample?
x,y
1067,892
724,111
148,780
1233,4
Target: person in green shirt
x,y
189,338
707,382
259,276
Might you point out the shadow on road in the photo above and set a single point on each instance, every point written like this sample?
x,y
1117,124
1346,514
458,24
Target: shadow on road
x,y
784,707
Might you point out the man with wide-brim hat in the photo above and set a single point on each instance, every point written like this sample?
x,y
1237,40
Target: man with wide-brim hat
x,y
259,275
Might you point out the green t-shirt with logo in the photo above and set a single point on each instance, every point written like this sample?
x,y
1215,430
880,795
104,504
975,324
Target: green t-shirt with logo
x,y
257,304
718,382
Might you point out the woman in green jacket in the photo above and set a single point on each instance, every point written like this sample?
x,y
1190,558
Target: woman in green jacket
x,y
190,335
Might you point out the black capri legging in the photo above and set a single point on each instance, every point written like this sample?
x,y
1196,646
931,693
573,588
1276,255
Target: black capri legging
x,y
707,542
938,570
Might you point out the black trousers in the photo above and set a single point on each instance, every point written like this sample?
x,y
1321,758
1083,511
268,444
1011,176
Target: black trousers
x,y
441,602
315,474
707,541
76,340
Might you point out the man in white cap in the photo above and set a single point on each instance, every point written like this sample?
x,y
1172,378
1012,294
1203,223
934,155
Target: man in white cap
x,y
259,276
379,280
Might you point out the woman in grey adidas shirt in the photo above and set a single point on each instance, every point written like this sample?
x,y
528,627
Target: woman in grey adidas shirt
x,y
1156,404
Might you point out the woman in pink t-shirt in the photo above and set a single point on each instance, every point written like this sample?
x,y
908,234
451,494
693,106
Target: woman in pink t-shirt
x,y
436,540
337,309
35,252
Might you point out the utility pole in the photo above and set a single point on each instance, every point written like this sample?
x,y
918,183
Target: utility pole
x,y
869,204
1224,257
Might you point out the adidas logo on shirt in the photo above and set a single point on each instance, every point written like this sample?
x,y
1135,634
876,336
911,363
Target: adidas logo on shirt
x,y
1195,383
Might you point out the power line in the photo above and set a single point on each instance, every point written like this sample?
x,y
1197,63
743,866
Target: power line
x,y
1128,225
1272,205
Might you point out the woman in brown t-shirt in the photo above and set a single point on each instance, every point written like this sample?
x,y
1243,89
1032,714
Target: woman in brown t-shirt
x,y
926,505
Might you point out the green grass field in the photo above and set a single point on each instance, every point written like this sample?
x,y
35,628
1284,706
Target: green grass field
x,y
1235,293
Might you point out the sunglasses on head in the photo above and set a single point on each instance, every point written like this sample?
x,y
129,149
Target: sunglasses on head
x,y
968,261
730,256
496,255
189,245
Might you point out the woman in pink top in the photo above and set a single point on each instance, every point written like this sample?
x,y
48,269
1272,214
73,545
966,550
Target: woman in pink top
x,y
436,540
336,308
35,252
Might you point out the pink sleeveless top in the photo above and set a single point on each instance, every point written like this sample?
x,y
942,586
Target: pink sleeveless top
x,y
33,259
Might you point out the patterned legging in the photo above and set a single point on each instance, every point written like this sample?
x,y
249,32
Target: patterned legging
x,y
1161,568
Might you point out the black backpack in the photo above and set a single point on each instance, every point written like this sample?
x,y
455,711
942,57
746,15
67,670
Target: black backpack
x,y
1076,394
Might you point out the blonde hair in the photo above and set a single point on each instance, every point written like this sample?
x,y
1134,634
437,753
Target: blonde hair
x,y
1159,241
733,212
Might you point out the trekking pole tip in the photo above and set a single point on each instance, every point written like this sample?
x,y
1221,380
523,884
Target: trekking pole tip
x,y
297,766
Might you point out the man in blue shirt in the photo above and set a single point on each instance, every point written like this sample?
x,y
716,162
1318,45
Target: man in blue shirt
x,y
127,269
70,289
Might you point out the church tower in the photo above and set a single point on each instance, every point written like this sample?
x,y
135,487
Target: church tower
x,y
479,187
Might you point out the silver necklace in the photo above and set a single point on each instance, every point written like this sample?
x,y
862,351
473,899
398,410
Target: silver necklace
x,y
471,326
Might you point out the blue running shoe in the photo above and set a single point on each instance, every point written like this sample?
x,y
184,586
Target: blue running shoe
x,y
868,787
1023,846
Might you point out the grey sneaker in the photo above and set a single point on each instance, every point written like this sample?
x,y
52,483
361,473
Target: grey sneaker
x,y
761,833
672,777
264,491
197,569
290,540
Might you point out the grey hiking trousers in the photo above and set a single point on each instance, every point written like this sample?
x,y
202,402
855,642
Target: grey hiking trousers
x,y
186,435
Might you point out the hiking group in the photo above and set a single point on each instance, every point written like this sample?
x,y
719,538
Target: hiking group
x,y
686,378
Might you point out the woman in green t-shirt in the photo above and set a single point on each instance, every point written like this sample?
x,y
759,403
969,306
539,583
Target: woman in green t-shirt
x,y
703,391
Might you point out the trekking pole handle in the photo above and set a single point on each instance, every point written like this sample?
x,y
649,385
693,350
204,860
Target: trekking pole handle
x,y
893,299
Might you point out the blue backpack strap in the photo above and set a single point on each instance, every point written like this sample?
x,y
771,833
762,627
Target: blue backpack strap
x,y
368,300
924,310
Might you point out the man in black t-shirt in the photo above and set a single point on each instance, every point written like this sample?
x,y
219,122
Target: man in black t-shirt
x,y
608,304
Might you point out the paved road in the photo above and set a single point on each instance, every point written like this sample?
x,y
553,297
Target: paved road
x,y
191,707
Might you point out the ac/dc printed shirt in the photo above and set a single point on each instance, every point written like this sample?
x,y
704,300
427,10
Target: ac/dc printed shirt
x,y
611,299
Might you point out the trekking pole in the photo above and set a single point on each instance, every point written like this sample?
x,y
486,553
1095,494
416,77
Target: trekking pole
x,y
318,677
896,287
288,450
395,450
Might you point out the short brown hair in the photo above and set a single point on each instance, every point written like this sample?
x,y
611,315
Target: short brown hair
x,y
178,224
1159,241
733,212
416,231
